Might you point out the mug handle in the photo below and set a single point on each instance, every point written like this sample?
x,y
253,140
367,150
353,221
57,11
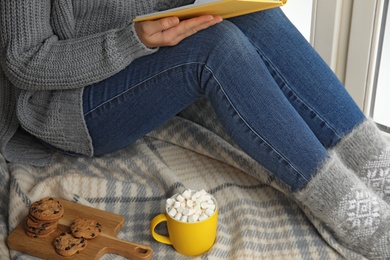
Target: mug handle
x,y
155,221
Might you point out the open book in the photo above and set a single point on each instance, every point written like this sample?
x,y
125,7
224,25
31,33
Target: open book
x,y
224,8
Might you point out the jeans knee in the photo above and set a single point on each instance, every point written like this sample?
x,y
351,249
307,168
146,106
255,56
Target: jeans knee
x,y
224,42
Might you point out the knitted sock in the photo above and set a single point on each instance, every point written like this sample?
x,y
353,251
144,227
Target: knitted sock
x,y
358,218
366,151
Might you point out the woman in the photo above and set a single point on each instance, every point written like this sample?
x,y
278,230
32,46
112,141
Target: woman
x,y
79,77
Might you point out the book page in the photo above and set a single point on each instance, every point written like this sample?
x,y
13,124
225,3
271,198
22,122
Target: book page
x,y
200,2
223,8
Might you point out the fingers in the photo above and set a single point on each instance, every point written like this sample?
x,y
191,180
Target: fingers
x,y
189,27
170,31
166,23
149,28
192,26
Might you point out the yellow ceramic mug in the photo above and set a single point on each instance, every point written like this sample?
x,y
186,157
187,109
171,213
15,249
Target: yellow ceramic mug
x,y
188,238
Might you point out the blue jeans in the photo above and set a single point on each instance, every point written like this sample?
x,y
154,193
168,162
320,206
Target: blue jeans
x,y
273,94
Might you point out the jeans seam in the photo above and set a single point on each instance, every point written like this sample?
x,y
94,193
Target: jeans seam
x,y
249,127
138,84
264,57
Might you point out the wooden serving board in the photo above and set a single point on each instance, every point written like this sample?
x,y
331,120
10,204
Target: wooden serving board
x,y
105,243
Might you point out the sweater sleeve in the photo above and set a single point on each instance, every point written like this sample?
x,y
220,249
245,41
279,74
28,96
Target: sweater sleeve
x,y
36,59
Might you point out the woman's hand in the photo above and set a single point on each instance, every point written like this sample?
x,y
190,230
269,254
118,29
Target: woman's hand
x,y
170,31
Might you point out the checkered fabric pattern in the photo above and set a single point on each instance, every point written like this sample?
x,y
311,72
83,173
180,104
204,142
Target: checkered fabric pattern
x,y
256,219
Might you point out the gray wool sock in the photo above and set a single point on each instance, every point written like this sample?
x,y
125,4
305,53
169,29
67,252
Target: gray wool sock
x,y
367,152
357,217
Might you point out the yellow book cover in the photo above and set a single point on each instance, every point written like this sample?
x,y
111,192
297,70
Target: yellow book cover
x,y
224,8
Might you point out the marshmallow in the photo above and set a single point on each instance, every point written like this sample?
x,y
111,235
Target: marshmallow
x,y
193,218
212,207
209,212
191,206
203,217
187,194
178,216
170,202
196,207
176,204
204,205
188,212
179,198
190,203
195,196
172,212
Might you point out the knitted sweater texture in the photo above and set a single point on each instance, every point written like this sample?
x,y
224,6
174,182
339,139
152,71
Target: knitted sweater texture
x,y
50,50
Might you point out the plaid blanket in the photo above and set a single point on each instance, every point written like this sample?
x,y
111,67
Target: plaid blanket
x,y
256,219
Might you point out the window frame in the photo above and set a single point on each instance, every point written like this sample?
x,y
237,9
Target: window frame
x,y
365,39
347,34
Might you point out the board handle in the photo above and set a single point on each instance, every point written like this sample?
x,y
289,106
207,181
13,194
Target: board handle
x,y
126,249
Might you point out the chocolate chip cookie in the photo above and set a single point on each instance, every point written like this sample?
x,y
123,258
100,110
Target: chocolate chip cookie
x,y
66,244
47,209
86,228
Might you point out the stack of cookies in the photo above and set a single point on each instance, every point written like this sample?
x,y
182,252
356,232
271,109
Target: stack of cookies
x,y
43,217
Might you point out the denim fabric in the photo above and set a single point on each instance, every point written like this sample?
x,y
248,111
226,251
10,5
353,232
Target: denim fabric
x,y
274,95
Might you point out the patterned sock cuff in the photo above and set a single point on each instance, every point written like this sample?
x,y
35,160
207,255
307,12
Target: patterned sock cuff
x,y
363,144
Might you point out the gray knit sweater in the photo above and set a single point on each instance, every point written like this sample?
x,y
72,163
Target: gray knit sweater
x,y
50,50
